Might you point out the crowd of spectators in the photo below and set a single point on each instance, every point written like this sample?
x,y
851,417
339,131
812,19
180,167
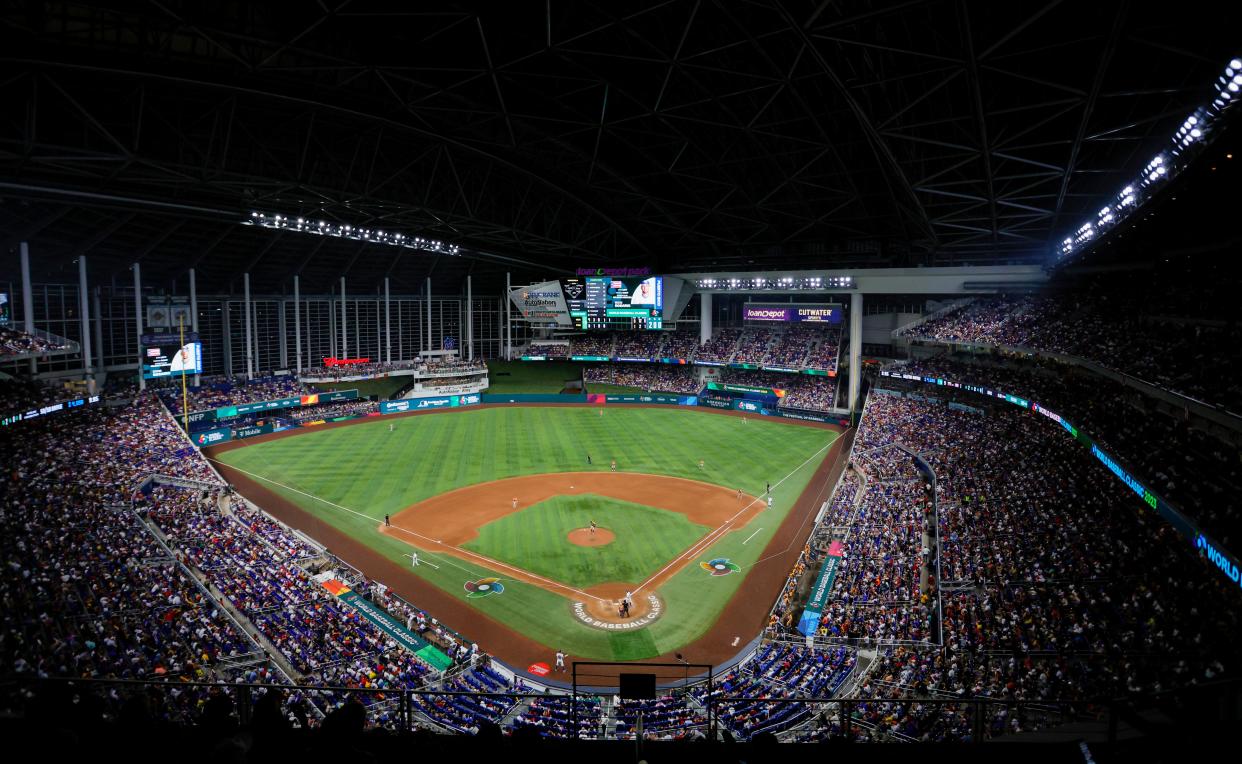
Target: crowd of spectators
x,y
790,347
373,368
593,343
641,344
550,350
20,394
648,377
95,592
333,410
90,592
682,344
15,342
1065,585
214,392
825,354
1116,329
720,348
1187,465
802,391
752,346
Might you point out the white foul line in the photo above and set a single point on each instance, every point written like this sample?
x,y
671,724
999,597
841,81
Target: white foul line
x,y
751,536
718,533
487,560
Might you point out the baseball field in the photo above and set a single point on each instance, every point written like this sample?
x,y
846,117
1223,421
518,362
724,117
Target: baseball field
x,y
498,505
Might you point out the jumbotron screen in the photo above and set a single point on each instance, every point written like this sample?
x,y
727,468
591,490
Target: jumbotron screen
x,y
4,309
171,360
611,303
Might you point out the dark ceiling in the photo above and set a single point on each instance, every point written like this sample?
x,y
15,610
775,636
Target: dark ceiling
x,y
541,136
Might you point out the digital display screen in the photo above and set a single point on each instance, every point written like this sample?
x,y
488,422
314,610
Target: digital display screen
x,y
609,303
5,309
813,314
172,361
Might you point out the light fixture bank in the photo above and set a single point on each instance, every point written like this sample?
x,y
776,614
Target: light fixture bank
x,y
341,231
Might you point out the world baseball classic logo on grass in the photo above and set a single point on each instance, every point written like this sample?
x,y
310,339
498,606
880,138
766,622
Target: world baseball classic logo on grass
x,y
484,587
720,566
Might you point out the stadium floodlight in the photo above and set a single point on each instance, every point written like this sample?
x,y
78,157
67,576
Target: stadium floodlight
x,y
346,231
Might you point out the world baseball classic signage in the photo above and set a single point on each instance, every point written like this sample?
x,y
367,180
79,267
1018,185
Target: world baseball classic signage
x,y
655,608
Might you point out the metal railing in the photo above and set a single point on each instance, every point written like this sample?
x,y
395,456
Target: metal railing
x,y
974,719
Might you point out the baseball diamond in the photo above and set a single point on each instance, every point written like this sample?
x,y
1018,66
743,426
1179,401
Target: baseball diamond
x,y
586,380
664,513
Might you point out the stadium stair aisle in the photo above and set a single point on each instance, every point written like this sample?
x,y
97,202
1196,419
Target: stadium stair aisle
x,y
221,601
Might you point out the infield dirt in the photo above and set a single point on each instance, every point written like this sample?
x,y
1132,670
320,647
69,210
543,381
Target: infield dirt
x,y
743,618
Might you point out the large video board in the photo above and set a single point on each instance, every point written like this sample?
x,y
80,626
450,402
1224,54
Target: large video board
x,y
612,303
163,355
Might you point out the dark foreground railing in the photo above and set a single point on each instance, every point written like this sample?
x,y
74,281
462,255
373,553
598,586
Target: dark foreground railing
x,y
693,713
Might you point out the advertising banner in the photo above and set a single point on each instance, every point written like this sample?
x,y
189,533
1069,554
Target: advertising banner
x,y
49,409
716,403
644,398
754,407
202,416
212,437
732,388
808,624
251,431
542,304
635,360
804,416
533,398
815,314
429,653
589,358
422,404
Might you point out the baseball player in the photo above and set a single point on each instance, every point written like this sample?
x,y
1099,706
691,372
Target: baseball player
x,y
593,527
560,660
515,502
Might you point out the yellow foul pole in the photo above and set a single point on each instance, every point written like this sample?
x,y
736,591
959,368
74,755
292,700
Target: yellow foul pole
x,y
185,393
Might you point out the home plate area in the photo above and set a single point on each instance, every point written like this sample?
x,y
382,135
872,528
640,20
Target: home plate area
x,y
631,533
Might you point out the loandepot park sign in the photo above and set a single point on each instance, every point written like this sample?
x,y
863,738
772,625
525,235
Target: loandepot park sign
x,y
655,611
614,272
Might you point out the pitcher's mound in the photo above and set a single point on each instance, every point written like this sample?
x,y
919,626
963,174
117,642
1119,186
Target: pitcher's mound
x,y
584,537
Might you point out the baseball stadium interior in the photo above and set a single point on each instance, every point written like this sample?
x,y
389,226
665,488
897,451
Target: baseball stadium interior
x,y
651,381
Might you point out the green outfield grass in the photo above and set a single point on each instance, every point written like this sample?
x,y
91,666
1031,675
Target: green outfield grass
x,y
350,477
535,539
530,376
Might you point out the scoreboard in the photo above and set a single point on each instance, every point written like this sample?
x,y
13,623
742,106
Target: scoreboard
x,y
163,355
611,303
